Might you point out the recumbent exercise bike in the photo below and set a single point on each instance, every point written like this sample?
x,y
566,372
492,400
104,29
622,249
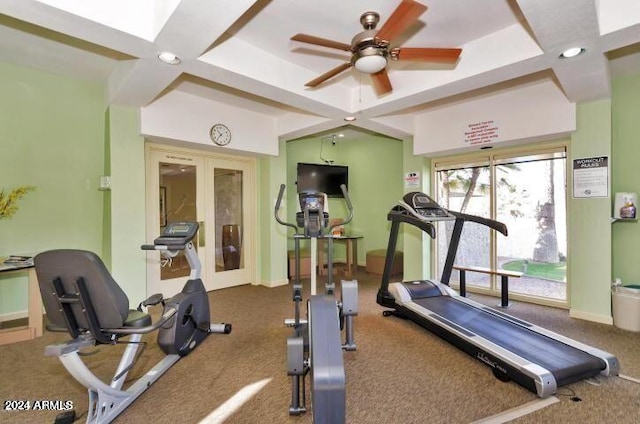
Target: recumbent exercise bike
x,y
81,297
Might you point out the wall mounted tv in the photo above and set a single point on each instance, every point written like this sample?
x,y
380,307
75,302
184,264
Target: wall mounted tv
x,y
324,178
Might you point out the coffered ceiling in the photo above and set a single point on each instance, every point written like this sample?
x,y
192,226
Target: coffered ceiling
x,y
240,51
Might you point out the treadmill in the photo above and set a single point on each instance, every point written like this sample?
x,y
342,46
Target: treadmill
x,y
537,359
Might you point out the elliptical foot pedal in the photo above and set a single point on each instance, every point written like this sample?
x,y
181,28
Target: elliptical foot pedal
x,y
297,411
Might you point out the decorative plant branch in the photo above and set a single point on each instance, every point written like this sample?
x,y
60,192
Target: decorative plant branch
x,y
8,202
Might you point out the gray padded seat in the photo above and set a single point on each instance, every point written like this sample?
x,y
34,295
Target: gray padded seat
x,y
109,300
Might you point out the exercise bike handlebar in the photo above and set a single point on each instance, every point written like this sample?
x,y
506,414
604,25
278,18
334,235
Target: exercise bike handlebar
x,y
163,247
277,209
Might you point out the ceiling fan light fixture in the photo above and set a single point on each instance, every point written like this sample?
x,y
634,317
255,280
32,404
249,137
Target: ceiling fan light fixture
x,y
370,60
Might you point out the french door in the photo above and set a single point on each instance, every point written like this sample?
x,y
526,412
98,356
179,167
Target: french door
x,y
524,189
216,191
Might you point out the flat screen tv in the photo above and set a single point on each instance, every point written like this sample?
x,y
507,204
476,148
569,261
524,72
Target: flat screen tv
x,y
324,178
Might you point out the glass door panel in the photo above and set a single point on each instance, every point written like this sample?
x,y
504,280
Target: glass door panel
x,y
531,201
173,185
177,203
231,260
228,217
466,190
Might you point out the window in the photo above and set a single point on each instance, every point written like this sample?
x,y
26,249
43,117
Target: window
x,y
525,190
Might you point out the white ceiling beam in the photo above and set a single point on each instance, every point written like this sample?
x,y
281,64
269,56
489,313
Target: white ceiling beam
x,y
594,81
558,26
138,82
205,21
263,89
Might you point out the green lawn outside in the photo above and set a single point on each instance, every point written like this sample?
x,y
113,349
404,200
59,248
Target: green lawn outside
x,y
557,272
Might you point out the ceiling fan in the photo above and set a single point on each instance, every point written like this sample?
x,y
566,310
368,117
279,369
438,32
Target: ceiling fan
x,y
371,50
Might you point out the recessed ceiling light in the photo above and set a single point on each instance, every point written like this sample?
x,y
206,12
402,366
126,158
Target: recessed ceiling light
x,y
349,118
340,135
572,52
169,58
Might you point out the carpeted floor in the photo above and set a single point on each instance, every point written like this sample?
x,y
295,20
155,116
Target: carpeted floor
x,y
400,373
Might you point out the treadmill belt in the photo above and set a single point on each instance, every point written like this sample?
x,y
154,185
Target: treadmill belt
x,y
562,360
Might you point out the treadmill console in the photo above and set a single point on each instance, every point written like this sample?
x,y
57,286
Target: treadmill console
x,y
424,207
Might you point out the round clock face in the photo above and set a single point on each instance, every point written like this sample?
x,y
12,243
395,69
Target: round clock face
x,y
220,134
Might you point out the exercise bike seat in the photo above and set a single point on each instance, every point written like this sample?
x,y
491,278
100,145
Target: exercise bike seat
x,y
137,319
79,294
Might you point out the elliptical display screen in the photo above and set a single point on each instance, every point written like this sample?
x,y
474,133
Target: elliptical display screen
x,y
312,201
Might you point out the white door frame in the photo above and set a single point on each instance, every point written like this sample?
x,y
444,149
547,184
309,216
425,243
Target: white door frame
x,y
206,162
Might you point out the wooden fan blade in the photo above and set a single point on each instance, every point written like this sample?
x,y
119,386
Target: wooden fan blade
x,y
310,39
322,78
428,54
405,14
381,82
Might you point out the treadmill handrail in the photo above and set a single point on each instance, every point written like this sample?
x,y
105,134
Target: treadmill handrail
x,y
495,225
399,213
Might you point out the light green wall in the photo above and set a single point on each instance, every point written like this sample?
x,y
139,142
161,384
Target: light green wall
x,y
625,155
272,247
589,221
375,184
51,136
416,243
126,230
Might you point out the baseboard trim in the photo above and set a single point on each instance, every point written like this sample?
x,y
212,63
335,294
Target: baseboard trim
x,y
588,316
272,284
12,316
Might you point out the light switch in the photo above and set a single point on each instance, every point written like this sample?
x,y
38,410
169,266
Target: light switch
x,y
105,183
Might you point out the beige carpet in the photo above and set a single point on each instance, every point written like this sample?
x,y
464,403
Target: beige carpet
x,y
400,373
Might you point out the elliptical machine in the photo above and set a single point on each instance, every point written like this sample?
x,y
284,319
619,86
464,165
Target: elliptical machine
x,y
316,344
81,297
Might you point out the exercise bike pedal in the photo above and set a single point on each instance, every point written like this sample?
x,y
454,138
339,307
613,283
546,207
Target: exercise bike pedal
x,y
152,300
223,328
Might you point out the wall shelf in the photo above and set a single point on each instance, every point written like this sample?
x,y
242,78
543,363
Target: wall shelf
x,y
624,220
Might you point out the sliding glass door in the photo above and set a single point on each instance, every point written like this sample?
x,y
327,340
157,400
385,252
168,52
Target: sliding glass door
x,y
527,192
466,188
531,200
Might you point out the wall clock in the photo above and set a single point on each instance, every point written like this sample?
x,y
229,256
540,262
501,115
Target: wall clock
x,y
220,134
